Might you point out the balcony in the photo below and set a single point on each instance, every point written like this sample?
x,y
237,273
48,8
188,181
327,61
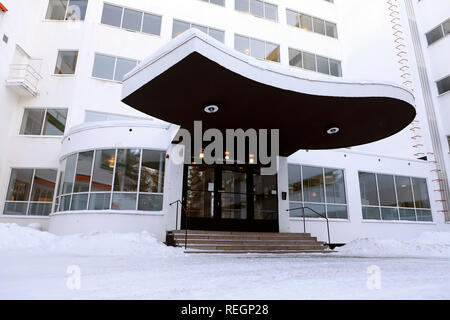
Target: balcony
x,y
23,79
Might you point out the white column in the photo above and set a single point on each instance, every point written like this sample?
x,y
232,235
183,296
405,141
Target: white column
x,y
283,188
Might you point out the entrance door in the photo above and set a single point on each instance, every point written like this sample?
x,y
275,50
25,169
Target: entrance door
x,y
229,198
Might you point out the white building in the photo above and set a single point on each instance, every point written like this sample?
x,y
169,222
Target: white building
x,y
75,158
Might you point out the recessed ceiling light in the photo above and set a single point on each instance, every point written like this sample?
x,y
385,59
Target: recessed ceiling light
x,y
211,109
333,130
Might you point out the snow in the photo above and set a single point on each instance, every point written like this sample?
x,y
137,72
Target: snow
x,y
39,265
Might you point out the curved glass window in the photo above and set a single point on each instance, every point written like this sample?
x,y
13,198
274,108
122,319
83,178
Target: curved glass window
x,y
112,179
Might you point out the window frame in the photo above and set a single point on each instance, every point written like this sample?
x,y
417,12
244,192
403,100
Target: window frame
x,y
65,13
312,22
121,19
115,66
264,10
397,207
41,135
29,201
111,192
437,88
197,24
76,65
304,203
444,34
302,52
250,47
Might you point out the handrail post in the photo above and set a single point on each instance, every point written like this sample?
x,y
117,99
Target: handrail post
x,y
304,220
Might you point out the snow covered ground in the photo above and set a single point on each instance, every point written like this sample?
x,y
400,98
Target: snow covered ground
x,y
39,265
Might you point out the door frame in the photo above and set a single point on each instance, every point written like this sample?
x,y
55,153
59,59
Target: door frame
x,y
217,223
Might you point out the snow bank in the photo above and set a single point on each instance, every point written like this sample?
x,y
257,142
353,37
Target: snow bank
x,y
428,244
14,237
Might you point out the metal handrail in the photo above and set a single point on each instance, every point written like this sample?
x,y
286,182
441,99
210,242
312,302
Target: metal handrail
x,y
320,215
176,224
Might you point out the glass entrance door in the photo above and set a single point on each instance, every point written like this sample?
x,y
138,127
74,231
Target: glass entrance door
x,y
229,197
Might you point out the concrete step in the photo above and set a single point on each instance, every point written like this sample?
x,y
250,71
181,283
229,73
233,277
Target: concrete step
x,y
181,237
240,233
249,242
257,251
226,247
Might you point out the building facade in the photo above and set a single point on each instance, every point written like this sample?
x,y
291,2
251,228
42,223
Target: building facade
x,y
75,158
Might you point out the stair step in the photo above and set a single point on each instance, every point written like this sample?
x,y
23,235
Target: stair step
x,y
249,242
252,247
240,233
256,237
258,251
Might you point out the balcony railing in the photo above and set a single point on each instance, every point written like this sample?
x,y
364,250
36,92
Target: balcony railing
x,y
24,79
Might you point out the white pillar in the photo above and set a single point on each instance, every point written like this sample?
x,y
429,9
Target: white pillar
x,y
283,190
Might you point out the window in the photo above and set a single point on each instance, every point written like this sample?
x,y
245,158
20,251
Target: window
x,y
306,22
443,85
321,189
132,20
179,27
66,62
257,48
44,122
218,2
258,8
66,9
30,192
439,32
313,62
93,116
112,179
112,68
390,198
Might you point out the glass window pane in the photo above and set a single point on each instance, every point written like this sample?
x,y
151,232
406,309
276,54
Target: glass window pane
x,y
337,212
335,68
83,173
123,67
322,65
217,34
257,49
319,25
44,185
335,185
234,206
309,61
123,201
272,52
319,209
446,27
150,202
306,22
295,183
434,35
132,20
421,193
386,190
443,85
103,66
242,44
389,213
152,24
56,10
331,29
200,204
293,18
371,213
69,174
404,192
201,28
77,10
103,170
179,27
66,62
79,202
257,8
112,15
32,121
271,11
368,189
313,184
19,185
424,215
242,5
127,170
152,171
64,205
295,58
407,214
15,208
200,178
55,122
99,201
39,209
293,211
219,2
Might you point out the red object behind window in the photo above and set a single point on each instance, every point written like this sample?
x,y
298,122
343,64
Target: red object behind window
x,y
2,7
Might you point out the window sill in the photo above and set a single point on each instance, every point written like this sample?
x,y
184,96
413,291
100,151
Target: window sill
x,y
110,212
323,35
319,219
23,217
444,94
252,15
39,136
63,21
400,222
64,75
106,80
133,31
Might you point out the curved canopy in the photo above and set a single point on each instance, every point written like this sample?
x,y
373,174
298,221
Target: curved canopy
x,y
194,71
